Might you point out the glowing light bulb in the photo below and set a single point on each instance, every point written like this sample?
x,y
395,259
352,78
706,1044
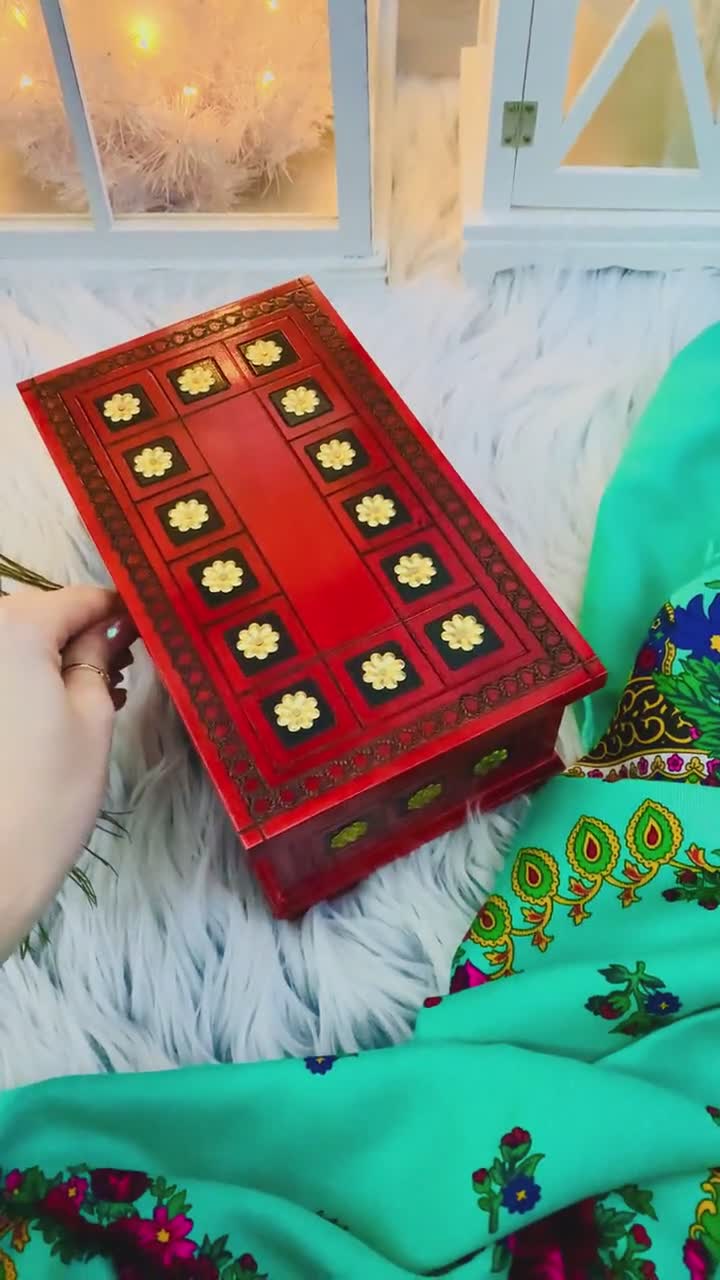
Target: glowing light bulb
x,y
189,91
144,34
25,82
19,15
267,79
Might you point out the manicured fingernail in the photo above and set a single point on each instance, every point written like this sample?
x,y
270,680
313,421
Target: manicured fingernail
x,y
113,632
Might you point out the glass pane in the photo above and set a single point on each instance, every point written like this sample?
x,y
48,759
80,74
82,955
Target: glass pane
x,y
209,107
595,26
38,168
707,20
643,119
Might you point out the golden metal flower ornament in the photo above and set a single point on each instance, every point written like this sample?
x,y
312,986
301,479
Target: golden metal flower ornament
x,y
264,352
333,455
152,462
187,515
258,640
222,576
122,407
462,631
300,400
415,570
375,509
196,379
384,670
297,711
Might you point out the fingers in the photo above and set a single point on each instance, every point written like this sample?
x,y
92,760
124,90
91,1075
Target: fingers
x,y
62,614
86,688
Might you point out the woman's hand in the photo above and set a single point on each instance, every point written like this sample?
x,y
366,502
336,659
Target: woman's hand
x,y
55,734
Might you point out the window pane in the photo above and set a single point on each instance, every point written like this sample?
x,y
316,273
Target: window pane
x,y
643,119
208,106
38,169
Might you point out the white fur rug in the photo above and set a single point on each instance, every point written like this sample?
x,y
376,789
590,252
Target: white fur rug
x,y
531,392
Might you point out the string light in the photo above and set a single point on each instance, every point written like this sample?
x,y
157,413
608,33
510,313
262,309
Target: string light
x,y
25,82
189,91
143,33
19,15
267,79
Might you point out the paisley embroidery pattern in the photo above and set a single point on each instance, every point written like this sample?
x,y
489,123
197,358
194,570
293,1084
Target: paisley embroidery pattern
x,y
123,1214
701,1253
593,851
640,1004
509,1184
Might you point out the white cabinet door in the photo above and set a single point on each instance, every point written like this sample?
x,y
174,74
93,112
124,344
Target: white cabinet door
x,y
628,94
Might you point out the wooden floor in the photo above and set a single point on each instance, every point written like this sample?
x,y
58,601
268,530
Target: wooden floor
x,y
432,33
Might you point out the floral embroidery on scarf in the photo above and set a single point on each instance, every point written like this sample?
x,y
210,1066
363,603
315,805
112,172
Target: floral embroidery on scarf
x,y
622,1241
700,883
321,1065
596,859
640,1004
701,1252
142,1223
465,974
509,1184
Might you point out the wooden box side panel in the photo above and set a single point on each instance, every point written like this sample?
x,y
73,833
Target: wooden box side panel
x,y
320,858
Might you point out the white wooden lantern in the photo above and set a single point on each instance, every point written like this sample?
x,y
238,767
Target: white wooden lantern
x,y
590,134
325,207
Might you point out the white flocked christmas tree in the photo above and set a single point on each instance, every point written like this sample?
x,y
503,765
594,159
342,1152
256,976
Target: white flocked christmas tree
x,y
194,103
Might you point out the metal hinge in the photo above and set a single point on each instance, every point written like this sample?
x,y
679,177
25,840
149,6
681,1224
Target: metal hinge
x,y
518,124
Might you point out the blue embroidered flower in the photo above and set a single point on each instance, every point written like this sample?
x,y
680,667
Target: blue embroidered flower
x,y
521,1194
320,1066
696,630
662,1003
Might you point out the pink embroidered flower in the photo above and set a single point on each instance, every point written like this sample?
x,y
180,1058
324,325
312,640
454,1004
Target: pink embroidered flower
x,y
65,1198
201,1268
640,1236
432,1001
595,773
164,1237
643,766
14,1181
675,763
121,1186
515,1138
467,975
648,1270
697,1260
247,1263
480,1176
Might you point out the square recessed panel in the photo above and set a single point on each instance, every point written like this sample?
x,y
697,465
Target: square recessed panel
x,y
268,353
415,571
420,570
232,572
383,674
197,380
260,644
154,461
192,515
129,406
462,651
205,376
337,455
123,405
297,713
158,460
256,639
461,635
301,402
379,509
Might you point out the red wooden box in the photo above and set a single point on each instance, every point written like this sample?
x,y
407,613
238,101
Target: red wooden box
x,y
355,648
